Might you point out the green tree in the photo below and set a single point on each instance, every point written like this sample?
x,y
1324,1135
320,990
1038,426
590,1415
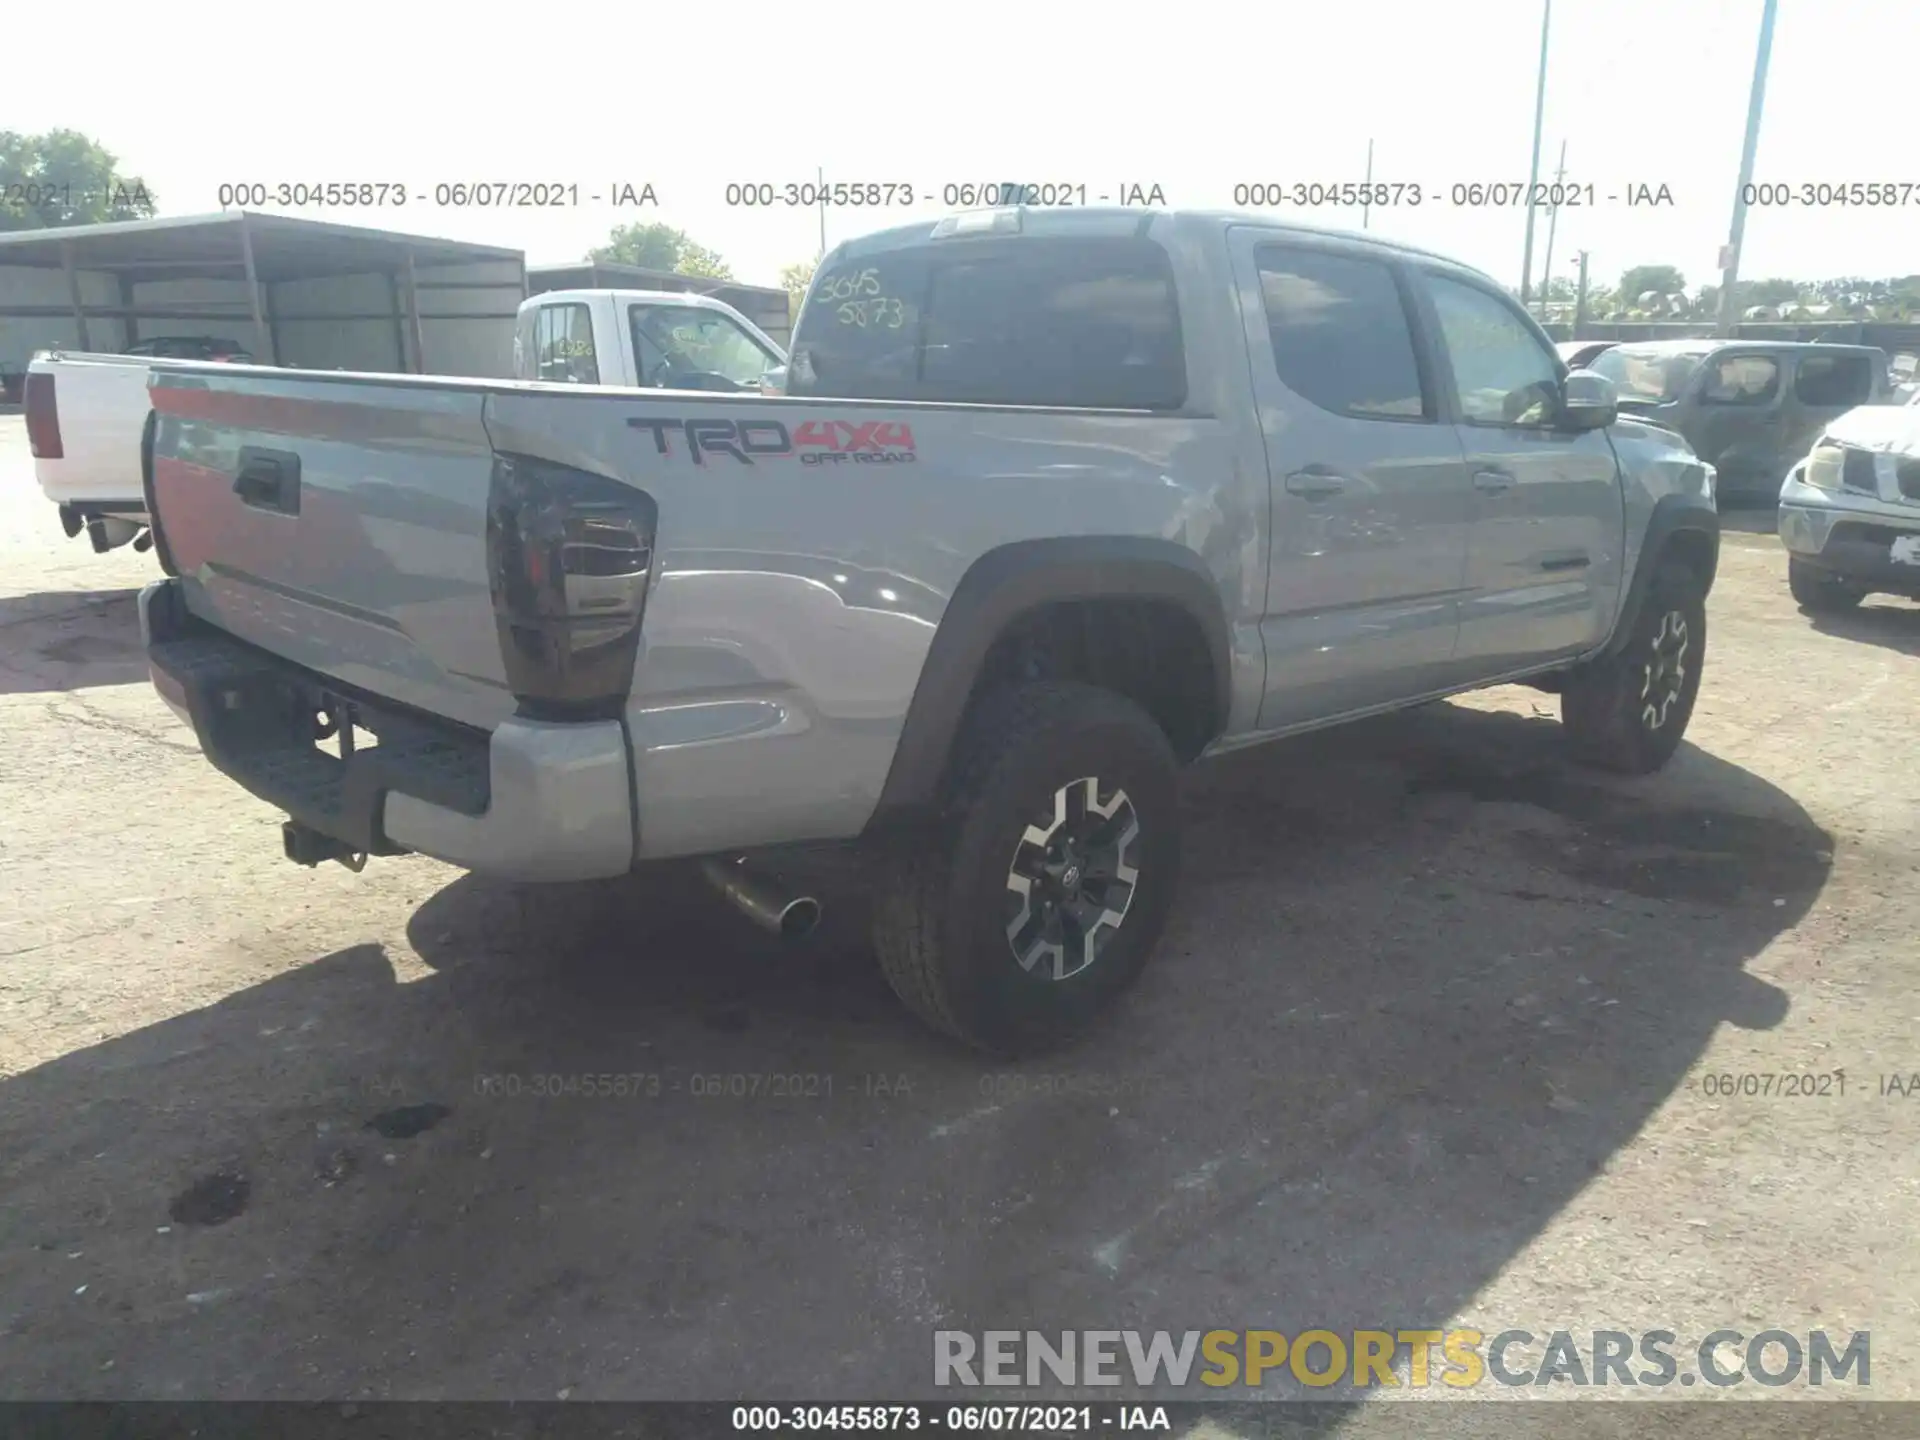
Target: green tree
x,y
1642,278
795,279
65,178
661,247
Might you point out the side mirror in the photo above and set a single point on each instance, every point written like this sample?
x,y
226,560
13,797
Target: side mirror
x,y
1588,401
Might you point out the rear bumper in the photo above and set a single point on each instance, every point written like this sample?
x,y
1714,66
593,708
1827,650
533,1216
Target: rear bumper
x,y
533,800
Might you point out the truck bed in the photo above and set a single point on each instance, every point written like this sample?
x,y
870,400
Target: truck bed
x,y
806,551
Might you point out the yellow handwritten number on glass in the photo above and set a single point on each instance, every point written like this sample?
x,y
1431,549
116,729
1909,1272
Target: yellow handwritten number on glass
x,y
883,313
846,287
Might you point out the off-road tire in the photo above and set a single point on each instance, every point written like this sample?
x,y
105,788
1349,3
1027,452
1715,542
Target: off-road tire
x,y
1818,593
940,914
1607,709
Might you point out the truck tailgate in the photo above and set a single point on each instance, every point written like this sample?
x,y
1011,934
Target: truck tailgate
x,y
339,523
101,403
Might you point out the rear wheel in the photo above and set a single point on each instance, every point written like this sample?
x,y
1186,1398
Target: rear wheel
x,y
1043,895
1628,712
1818,593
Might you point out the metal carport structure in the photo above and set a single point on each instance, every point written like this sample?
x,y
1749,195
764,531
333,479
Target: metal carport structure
x,y
297,292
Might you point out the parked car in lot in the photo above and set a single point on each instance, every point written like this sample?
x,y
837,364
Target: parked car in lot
x,y
1850,512
1749,408
1056,503
85,411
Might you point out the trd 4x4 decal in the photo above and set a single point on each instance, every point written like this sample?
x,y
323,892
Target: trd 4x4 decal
x,y
815,442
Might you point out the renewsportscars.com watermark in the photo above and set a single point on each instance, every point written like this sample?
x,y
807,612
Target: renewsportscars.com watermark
x,y
1416,1359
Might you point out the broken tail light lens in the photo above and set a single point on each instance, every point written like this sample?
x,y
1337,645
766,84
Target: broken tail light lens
x,y
569,560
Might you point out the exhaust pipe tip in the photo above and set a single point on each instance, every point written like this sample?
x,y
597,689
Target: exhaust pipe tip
x,y
771,907
800,918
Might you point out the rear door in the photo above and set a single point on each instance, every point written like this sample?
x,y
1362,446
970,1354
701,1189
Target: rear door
x,y
1826,385
340,524
1544,562
1369,498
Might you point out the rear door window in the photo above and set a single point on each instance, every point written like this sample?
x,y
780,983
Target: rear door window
x,y
1087,322
563,345
1339,332
1833,380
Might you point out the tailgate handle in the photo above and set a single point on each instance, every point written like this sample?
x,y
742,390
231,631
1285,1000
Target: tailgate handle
x,y
269,480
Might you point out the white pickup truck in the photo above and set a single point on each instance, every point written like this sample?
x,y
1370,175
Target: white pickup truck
x,y
85,412
653,339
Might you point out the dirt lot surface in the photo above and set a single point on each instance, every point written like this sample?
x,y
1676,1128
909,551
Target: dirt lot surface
x,y
1429,1041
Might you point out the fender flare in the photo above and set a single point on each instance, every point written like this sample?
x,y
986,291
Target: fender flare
x,y
1672,515
1011,581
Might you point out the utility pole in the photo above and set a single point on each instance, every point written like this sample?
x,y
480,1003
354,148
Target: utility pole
x,y
1553,223
1730,254
1533,172
820,173
1580,302
1366,206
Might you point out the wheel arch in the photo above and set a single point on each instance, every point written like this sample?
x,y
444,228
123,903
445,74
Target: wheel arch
x,y
1014,583
1681,528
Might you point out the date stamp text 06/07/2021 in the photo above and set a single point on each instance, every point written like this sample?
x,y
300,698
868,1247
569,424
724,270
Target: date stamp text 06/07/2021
x,y
763,194
753,193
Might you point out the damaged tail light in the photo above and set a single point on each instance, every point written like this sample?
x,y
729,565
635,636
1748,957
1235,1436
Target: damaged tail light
x,y
569,558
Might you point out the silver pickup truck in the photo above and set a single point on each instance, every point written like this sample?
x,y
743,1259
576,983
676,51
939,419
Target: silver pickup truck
x,y
1056,502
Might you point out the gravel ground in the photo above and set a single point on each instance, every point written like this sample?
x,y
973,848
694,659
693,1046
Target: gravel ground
x,y
1428,1043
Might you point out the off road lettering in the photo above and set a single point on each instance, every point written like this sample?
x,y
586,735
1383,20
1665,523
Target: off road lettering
x,y
866,441
846,435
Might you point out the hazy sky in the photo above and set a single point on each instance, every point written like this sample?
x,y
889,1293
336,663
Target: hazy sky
x,y
1195,97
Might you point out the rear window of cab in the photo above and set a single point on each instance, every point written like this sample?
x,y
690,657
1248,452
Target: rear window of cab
x,y
1072,322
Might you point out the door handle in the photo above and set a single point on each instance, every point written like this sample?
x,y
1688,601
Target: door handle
x,y
1492,481
269,480
1315,484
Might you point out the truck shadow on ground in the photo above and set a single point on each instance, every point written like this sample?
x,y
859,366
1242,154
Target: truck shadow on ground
x,y
70,640
1892,624
1423,982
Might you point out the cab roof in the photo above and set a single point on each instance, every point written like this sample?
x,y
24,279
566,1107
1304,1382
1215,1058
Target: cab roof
x,y
585,295
1122,219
